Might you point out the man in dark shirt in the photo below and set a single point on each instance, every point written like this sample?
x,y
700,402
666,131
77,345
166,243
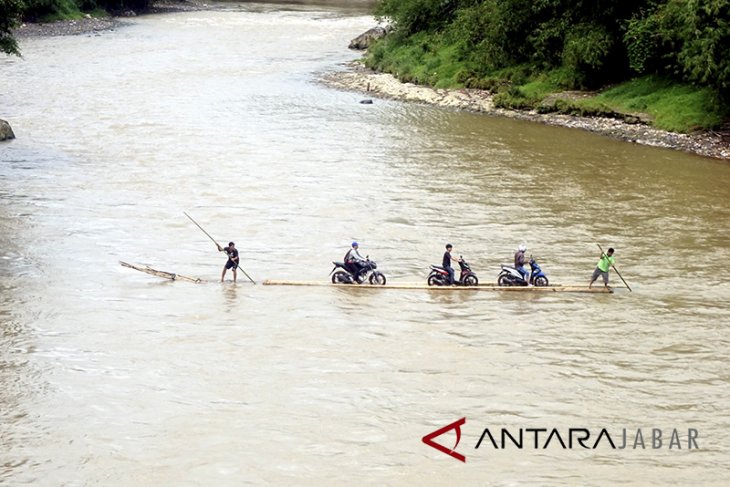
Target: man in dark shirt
x,y
232,262
446,263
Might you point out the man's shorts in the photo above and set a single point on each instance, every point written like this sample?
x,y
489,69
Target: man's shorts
x,y
599,272
231,265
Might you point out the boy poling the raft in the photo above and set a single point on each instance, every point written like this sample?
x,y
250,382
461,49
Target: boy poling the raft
x,y
601,270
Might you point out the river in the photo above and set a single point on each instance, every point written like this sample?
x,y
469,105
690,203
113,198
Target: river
x,y
112,377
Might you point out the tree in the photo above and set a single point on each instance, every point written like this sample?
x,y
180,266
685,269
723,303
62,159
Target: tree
x,y
10,11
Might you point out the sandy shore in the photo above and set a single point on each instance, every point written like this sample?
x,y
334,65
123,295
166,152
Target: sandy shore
x,y
359,79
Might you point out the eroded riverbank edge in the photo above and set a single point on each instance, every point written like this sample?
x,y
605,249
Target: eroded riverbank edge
x,y
355,77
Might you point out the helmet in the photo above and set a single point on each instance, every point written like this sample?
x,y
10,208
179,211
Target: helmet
x,y
354,244
522,247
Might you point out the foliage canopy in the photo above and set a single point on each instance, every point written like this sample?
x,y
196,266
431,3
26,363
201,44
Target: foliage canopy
x,y
594,42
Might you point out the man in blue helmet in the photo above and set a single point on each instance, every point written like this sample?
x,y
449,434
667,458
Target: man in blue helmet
x,y
353,260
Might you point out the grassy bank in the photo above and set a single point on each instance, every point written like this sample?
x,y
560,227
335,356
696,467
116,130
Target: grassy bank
x,y
665,104
428,59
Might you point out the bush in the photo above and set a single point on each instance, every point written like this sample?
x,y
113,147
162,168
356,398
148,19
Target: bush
x,y
411,16
642,44
50,10
700,33
687,40
586,49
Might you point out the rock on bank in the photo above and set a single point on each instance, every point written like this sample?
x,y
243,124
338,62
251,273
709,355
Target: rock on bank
x,y
6,133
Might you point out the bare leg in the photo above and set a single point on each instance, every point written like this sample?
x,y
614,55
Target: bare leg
x,y
594,276
234,274
223,275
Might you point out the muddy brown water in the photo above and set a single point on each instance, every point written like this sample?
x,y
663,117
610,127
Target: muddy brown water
x,y
112,377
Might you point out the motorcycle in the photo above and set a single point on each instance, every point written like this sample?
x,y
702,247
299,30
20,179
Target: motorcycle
x,y
366,272
509,276
440,276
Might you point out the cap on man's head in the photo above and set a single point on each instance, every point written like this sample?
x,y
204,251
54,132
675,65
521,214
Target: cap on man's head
x,y
354,244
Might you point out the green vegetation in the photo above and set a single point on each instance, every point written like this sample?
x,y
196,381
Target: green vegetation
x,y
51,10
667,104
10,12
423,60
668,59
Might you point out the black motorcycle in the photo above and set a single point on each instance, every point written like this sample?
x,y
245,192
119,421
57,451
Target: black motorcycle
x,y
366,272
440,276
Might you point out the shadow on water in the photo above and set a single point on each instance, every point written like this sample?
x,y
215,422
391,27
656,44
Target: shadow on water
x,y
230,292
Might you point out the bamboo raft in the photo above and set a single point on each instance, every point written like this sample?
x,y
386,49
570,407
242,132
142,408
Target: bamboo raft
x,y
480,287
163,274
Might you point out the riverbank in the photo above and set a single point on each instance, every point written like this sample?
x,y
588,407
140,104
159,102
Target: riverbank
x,y
90,25
355,77
86,25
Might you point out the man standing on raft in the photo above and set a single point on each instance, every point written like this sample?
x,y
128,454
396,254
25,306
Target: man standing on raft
x,y
232,262
606,261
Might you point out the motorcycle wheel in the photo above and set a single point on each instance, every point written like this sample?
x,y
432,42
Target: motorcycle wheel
x,y
471,280
433,280
541,281
502,280
341,277
377,278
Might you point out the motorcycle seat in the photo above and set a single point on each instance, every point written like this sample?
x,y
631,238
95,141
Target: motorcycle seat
x,y
438,268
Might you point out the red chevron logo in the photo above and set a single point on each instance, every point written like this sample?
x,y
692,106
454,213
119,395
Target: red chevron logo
x,y
456,425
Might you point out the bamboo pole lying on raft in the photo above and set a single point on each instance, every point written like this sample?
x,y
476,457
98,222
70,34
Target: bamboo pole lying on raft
x,y
414,286
163,274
